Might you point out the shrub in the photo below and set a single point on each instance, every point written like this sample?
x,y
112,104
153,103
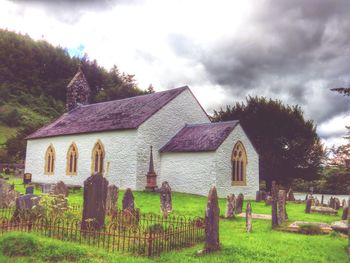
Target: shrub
x,y
19,244
53,252
310,229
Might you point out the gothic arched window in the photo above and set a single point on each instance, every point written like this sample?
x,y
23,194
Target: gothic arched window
x,y
97,158
50,161
72,160
239,164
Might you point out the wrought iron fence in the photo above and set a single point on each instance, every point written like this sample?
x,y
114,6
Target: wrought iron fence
x,y
147,234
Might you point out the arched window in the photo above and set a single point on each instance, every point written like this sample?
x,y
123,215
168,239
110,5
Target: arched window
x,y
49,160
97,158
72,160
239,164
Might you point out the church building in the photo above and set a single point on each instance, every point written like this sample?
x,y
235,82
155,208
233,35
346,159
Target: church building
x,y
115,138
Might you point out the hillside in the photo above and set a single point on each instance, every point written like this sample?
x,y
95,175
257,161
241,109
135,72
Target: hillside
x,y
33,79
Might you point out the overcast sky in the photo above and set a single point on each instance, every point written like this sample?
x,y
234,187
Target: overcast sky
x,y
293,50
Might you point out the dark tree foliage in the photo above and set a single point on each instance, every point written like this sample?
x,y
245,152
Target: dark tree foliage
x,y
288,145
344,91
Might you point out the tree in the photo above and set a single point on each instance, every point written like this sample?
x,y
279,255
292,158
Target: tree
x,y
344,91
288,145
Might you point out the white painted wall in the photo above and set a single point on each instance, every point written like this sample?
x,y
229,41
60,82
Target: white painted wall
x,y
161,127
224,167
120,148
192,172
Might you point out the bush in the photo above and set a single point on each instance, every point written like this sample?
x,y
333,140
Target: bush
x,y
19,244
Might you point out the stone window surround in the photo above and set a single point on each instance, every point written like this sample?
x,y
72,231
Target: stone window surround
x,y
244,161
73,149
49,167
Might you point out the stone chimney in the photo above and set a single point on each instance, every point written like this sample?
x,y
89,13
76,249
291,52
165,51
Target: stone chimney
x,y
78,91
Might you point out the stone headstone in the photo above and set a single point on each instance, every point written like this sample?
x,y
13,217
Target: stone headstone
x,y
212,213
165,198
343,203
24,205
239,203
60,189
340,226
46,188
316,201
8,194
308,206
230,206
345,213
95,194
112,199
290,195
128,200
27,178
281,215
331,202
336,203
323,210
30,189
268,200
249,218
274,211
322,199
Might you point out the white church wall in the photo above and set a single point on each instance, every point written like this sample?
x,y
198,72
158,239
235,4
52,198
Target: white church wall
x,y
188,172
224,166
161,127
119,162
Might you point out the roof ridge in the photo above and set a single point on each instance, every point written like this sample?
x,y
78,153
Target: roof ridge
x,y
212,123
137,96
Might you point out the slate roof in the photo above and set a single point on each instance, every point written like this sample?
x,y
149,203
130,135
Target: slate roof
x,y
200,137
111,115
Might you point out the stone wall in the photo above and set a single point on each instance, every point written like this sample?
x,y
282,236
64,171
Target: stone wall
x,y
161,127
120,148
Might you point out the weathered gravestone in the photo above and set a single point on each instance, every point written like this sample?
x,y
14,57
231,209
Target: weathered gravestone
x,y
131,214
95,194
24,205
128,200
316,201
46,188
165,198
249,218
290,195
27,178
239,203
308,206
8,194
30,189
281,215
345,214
212,213
336,203
323,210
331,202
60,189
274,211
268,200
322,199
112,199
230,206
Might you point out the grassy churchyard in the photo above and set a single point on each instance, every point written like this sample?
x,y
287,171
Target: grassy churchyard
x,y
262,245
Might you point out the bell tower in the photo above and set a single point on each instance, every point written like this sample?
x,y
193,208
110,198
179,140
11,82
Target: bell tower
x,y
78,91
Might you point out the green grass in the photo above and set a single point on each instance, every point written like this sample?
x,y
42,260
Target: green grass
x,y
262,245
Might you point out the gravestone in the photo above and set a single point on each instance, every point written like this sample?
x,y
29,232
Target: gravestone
x,y
60,189
27,178
230,206
24,205
260,196
95,194
323,210
316,201
268,200
212,213
239,203
308,206
336,203
274,211
46,188
165,198
112,199
343,203
331,202
128,200
345,213
290,195
281,215
322,199
249,218
8,194
30,189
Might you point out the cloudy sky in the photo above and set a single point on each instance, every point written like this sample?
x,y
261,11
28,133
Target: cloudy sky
x,y
292,50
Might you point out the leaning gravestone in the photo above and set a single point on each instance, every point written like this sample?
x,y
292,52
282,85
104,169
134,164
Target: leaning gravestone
x,y
95,193
112,199
60,189
24,205
281,215
128,200
230,206
290,195
249,218
274,211
8,194
212,213
308,206
239,203
165,198
30,189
